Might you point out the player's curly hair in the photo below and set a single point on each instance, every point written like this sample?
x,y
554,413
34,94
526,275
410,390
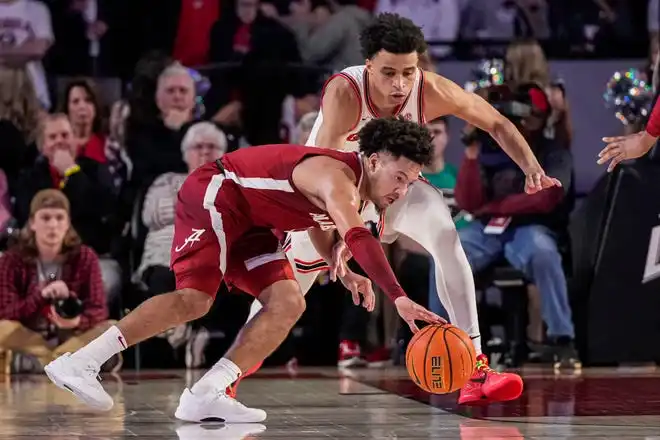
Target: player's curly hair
x,y
392,33
397,137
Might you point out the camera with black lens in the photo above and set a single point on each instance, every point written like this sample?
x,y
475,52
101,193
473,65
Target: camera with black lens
x,y
515,105
68,308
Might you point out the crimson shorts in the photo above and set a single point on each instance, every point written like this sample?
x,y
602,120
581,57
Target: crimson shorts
x,y
214,240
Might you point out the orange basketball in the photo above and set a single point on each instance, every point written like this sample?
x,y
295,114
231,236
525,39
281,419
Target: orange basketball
x,y
440,358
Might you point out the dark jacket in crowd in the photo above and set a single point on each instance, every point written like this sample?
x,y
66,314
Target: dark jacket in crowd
x,y
498,190
90,192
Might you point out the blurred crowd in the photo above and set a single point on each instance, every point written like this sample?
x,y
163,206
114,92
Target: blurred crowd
x,y
106,107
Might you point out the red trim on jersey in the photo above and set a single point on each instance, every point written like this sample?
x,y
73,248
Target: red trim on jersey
x,y
354,86
420,99
370,105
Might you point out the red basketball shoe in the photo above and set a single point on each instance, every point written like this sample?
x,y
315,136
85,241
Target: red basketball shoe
x,y
487,385
233,388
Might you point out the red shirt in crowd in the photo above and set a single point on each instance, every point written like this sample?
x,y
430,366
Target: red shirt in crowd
x,y
191,46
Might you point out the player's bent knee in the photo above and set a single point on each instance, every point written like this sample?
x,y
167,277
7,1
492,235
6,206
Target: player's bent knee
x,y
284,299
193,303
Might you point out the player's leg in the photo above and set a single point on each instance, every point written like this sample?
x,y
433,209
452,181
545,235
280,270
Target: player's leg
x,y
305,261
197,259
259,269
424,217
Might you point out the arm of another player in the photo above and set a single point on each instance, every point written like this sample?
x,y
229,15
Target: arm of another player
x,y
446,97
342,201
632,146
340,105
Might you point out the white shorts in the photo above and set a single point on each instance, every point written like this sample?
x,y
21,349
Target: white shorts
x,y
307,263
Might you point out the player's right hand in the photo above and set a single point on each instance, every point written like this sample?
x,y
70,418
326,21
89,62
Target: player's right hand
x,y
359,285
620,148
410,312
340,256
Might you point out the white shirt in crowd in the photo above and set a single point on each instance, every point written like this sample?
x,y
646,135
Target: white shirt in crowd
x,y
21,20
439,19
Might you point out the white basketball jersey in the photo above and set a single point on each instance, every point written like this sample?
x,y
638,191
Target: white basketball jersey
x,y
412,108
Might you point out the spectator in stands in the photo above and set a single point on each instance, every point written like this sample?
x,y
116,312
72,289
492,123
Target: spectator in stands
x,y
179,28
328,31
19,118
250,94
86,183
153,143
79,28
26,30
439,19
525,63
505,20
49,264
203,143
81,104
523,228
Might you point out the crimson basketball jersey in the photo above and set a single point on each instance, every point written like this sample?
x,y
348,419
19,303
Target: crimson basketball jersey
x,y
264,191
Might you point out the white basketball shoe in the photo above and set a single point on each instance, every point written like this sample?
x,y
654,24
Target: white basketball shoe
x,y
215,406
80,378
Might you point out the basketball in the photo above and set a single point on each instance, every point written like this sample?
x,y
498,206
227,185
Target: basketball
x,y
440,358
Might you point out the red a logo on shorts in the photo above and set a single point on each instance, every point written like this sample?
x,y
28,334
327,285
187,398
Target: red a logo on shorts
x,y
192,238
352,137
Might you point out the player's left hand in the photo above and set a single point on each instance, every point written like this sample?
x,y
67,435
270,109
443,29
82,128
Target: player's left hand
x,y
359,285
536,181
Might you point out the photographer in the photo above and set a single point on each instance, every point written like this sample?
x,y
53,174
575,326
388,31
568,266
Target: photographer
x,y
523,228
51,293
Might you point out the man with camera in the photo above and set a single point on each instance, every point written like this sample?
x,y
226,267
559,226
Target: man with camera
x,y
51,294
525,229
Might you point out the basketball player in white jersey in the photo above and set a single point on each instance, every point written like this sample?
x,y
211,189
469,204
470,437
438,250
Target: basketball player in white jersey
x,y
391,84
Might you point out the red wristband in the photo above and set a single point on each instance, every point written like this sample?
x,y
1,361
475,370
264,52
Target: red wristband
x,y
369,254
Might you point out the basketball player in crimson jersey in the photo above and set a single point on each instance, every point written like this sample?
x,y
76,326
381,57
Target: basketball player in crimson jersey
x,y
225,215
391,84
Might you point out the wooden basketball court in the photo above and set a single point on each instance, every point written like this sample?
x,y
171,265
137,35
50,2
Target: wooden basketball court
x,y
324,404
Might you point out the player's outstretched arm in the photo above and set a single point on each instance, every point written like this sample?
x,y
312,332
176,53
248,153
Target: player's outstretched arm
x,y
341,112
446,97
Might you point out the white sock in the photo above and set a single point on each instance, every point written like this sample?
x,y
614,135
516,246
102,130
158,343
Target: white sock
x,y
476,341
104,347
219,377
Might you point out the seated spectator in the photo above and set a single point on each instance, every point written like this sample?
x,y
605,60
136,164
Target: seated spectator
x,y
250,96
328,32
19,118
86,183
154,144
203,143
81,104
27,35
439,19
523,228
525,62
51,294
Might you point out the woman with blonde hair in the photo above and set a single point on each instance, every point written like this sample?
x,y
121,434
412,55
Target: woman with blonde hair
x,y
19,119
525,63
